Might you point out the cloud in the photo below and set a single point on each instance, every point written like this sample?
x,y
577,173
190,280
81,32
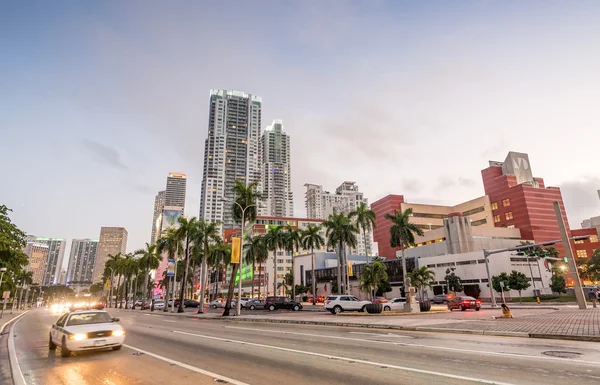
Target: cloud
x,y
105,154
581,199
412,186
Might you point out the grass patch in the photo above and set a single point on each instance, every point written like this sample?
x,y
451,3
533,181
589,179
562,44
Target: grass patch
x,y
545,298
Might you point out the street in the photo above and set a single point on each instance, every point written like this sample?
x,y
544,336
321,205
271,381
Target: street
x,y
168,350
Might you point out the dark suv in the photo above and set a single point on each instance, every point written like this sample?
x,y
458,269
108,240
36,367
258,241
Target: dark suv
x,y
273,303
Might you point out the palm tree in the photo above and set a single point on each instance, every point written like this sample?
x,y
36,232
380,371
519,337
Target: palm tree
x,y
245,206
169,243
311,240
185,233
219,257
422,278
150,260
292,241
207,234
365,220
255,251
288,280
341,232
402,234
112,263
129,268
371,277
275,240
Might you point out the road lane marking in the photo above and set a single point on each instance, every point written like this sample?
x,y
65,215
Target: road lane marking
x,y
189,367
502,354
381,335
17,373
166,320
329,356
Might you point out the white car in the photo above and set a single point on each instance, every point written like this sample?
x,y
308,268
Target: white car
x,y
159,305
339,303
86,330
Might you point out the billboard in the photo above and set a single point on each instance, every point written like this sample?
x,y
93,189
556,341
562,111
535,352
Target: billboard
x,y
170,218
247,274
171,268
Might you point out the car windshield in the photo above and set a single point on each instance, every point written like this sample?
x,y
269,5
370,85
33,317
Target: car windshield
x,y
89,318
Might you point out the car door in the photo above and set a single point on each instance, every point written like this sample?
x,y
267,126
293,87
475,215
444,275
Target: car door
x,y
57,329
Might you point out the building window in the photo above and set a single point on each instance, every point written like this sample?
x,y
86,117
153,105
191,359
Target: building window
x,y
495,206
496,218
508,215
279,260
279,268
479,222
579,241
594,238
505,202
582,254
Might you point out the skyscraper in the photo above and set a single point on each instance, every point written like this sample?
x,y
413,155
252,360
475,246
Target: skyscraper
x,y
113,240
175,190
37,256
276,173
159,204
82,261
231,151
56,255
320,204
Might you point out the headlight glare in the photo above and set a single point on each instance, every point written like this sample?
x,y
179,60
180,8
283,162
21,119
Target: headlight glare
x,y
78,337
118,333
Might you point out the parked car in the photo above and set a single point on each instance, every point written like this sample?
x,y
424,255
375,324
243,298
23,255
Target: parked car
x,y
274,303
138,303
320,299
86,330
442,298
394,304
191,303
159,304
255,304
217,303
463,303
340,303
380,300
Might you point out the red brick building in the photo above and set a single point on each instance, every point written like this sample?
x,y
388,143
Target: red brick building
x,y
381,233
583,249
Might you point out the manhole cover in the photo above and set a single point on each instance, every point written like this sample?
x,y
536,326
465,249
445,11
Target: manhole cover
x,y
562,354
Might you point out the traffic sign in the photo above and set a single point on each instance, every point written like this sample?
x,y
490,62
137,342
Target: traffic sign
x,y
6,294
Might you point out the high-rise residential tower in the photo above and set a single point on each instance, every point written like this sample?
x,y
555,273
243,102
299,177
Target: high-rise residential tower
x,y
276,173
82,261
231,151
37,256
320,204
56,255
113,240
159,204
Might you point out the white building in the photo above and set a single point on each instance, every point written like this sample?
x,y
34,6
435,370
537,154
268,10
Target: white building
x,y
320,204
81,262
231,151
276,172
56,255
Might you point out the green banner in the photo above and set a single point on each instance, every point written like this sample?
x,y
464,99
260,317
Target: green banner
x,y
247,274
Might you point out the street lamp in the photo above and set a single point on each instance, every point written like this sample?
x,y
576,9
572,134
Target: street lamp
x,y
238,303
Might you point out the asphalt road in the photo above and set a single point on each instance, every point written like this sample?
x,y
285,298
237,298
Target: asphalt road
x,y
180,350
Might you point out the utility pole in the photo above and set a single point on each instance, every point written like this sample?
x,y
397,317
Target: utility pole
x,y
570,260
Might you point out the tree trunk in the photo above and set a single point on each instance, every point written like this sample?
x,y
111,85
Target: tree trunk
x,y
253,269
118,290
339,269
261,278
365,239
275,271
167,296
293,278
234,271
404,274
146,274
184,278
203,283
519,296
314,278
346,273
126,284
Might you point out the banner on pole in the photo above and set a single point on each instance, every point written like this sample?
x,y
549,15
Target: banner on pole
x,y
107,285
350,272
235,249
171,268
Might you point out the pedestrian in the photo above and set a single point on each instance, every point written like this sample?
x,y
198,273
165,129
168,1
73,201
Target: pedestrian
x,y
505,312
593,296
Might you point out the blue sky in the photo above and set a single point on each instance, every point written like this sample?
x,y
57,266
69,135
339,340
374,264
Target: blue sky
x,y
102,99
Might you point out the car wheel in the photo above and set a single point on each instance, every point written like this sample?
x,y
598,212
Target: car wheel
x,y
296,307
332,312
118,347
337,310
449,307
214,306
462,308
477,309
363,309
64,352
387,308
271,307
252,307
51,345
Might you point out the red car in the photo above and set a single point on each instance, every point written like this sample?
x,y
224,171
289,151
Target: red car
x,y
463,303
320,299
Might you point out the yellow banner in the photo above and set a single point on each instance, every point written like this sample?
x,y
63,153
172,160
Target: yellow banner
x,y
235,249
107,285
350,272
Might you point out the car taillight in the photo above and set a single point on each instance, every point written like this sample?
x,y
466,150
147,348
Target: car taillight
x,y
466,302
478,301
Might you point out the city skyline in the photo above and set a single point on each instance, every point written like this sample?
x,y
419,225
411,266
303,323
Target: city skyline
x,y
480,91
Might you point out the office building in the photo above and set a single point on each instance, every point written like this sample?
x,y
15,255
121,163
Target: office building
x,y
159,204
56,255
82,261
320,204
175,190
276,173
231,152
37,257
426,217
113,240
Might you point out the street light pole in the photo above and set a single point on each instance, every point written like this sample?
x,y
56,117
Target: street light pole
x,y
2,271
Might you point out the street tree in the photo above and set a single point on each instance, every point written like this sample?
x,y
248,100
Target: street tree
x,y
12,243
256,252
185,233
365,220
311,240
371,277
275,240
421,279
149,260
558,284
453,280
292,242
592,267
341,232
518,281
496,279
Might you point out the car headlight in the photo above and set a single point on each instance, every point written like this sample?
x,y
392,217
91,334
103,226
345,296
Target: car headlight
x,y
118,333
78,337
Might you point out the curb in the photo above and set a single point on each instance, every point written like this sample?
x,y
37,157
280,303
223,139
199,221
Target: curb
x,y
425,329
15,368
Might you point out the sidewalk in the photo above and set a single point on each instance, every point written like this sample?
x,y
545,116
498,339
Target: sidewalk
x,y
5,370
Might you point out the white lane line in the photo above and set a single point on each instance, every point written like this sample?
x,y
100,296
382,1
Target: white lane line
x,y
502,354
17,373
381,335
189,367
372,363
166,320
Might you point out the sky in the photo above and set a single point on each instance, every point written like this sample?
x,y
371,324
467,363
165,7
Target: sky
x,y
101,100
